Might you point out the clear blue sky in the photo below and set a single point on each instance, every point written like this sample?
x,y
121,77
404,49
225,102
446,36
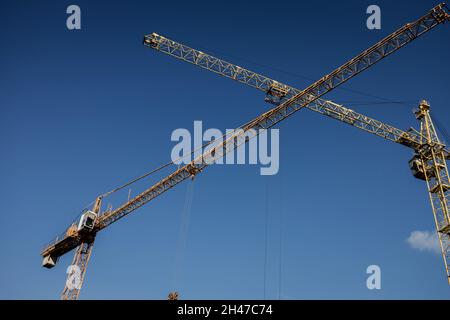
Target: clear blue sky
x,y
84,111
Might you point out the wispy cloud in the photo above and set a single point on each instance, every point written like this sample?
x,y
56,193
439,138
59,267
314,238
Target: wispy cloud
x,y
424,241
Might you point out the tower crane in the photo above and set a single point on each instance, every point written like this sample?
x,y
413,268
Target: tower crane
x,y
430,154
429,164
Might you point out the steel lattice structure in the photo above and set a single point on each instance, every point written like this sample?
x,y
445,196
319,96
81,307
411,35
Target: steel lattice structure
x,y
288,100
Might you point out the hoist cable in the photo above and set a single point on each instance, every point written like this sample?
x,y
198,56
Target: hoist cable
x,y
183,233
266,222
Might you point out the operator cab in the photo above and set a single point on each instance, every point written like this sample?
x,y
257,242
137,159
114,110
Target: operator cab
x,y
418,169
87,221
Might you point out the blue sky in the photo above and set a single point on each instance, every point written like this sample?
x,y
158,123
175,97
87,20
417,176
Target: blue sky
x,y
84,111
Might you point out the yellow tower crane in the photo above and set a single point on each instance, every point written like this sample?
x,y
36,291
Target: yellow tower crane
x,y
428,165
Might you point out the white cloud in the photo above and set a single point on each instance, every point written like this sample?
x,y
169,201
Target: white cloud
x,y
424,241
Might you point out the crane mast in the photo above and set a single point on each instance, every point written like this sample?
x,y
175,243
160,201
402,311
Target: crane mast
x,y
80,260
82,236
432,157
